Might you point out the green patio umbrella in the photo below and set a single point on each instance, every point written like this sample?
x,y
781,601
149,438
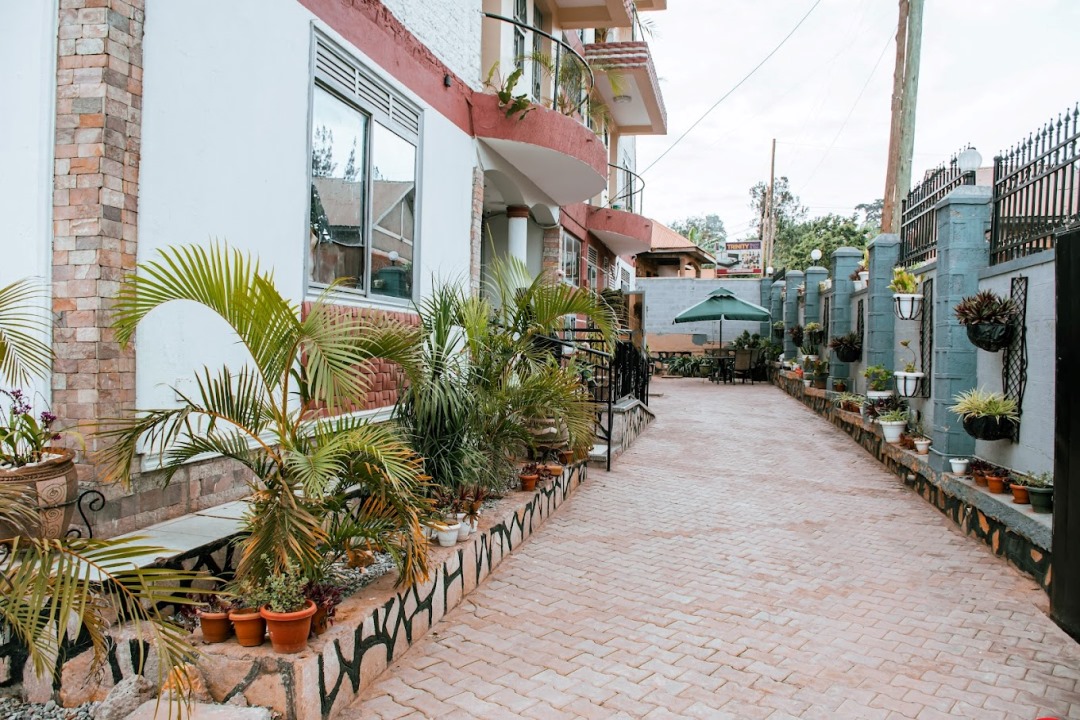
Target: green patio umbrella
x,y
723,305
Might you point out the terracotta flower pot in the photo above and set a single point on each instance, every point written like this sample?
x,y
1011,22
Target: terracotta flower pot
x,y
554,469
528,482
289,630
319,621
54,485
566,456
1020,494
215,626
249,626
995,483
979,477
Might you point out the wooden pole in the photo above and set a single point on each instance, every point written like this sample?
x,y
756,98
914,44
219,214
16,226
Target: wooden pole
x,y
889,222
910,99
769,234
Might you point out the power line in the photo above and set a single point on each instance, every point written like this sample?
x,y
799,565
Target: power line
x,y
736,87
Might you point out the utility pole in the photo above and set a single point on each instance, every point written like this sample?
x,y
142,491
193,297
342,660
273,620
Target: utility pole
x,y
905,91
768,224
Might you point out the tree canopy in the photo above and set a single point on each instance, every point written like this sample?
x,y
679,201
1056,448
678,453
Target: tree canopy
x,y
705,231
826,233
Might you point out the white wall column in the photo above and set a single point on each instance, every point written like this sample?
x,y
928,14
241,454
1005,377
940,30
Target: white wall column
x,y
517,232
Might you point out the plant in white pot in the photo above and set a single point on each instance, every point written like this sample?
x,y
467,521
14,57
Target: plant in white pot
x,y
959,465
907,300
892,424
877,382
907,380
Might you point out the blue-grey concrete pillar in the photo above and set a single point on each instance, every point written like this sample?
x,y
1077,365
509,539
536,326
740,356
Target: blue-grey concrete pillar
x,y
879,344
812,311
792,281
765,299
962,219
844,262
776,304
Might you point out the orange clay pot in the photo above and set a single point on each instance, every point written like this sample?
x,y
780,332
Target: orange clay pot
x,y
289,630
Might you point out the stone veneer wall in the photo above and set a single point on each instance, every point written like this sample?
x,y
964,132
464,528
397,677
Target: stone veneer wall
x,y
1005,530
371,629
95,204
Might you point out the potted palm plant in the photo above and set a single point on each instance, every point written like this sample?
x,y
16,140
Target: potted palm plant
x,y
907,380
907,300
986,415
848,347
988,318
282,416
67,590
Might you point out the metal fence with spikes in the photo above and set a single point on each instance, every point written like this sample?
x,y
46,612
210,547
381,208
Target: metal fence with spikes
x,y
918,224
1036,190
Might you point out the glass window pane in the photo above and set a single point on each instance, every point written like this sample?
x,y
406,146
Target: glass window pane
x,y
338,171
393,207
571,259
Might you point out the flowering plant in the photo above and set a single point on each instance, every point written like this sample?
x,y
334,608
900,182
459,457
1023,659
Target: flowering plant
x,y
24,437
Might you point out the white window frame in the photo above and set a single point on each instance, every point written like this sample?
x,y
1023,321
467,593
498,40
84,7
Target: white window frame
x,y
374,96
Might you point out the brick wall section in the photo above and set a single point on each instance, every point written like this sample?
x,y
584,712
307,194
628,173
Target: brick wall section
x,y
95,203
476,233
551,260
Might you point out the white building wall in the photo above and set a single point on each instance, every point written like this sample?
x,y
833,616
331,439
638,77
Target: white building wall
x,y
27,138
449,28
225,156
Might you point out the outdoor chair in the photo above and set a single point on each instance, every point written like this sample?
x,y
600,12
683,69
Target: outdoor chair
x,y
744,364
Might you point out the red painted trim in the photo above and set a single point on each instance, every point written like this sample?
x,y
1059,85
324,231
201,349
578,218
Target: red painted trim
x,y
375,31
574,218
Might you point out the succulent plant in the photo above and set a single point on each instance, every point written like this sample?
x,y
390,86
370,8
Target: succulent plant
x,y
985,308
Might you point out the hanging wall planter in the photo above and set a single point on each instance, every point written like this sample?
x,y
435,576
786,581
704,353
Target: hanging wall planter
x,y
990,336
907,305
907,383
988,427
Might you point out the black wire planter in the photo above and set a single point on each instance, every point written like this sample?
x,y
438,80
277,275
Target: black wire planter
x,y
991,337
848,355
989,427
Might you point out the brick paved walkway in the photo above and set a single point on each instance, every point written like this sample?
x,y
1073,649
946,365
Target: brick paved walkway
x,y
744,560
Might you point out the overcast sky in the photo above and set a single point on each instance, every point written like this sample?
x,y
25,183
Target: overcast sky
x,y
992,71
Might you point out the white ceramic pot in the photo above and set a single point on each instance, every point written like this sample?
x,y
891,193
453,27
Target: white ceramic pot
x,y
907,305
473,524
892,429
449,536
864,277
907,384
959,465
859,285
464,528
807,381
872,395
922,447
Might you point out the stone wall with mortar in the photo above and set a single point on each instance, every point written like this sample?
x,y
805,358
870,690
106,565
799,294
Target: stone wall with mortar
x,y
371,628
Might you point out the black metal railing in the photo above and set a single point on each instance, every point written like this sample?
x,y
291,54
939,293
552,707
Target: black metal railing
x,y
1036,191
570,72
918,221
630,194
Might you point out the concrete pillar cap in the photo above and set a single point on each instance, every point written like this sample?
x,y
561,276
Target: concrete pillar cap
x,y
847,252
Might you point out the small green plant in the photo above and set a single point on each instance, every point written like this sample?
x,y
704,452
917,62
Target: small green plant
x,y
986,308
1040,480
808,350
877,377
849,401
283,590
910,367
981,403
510,103
821,368
812,327
903,282
898,415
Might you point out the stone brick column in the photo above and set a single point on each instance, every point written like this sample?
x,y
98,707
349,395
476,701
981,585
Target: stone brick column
x,y
551,259
844,262
962,218
765,299
879,346
476,231
792,281
776,304
95,203
812,309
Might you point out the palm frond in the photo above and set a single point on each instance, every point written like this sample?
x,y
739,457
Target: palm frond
x,y
228,283
23,355
283,526
49,583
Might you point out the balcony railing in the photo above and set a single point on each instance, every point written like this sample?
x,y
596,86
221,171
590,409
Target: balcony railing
x,y
630,193
572,79
1036,190
918,221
